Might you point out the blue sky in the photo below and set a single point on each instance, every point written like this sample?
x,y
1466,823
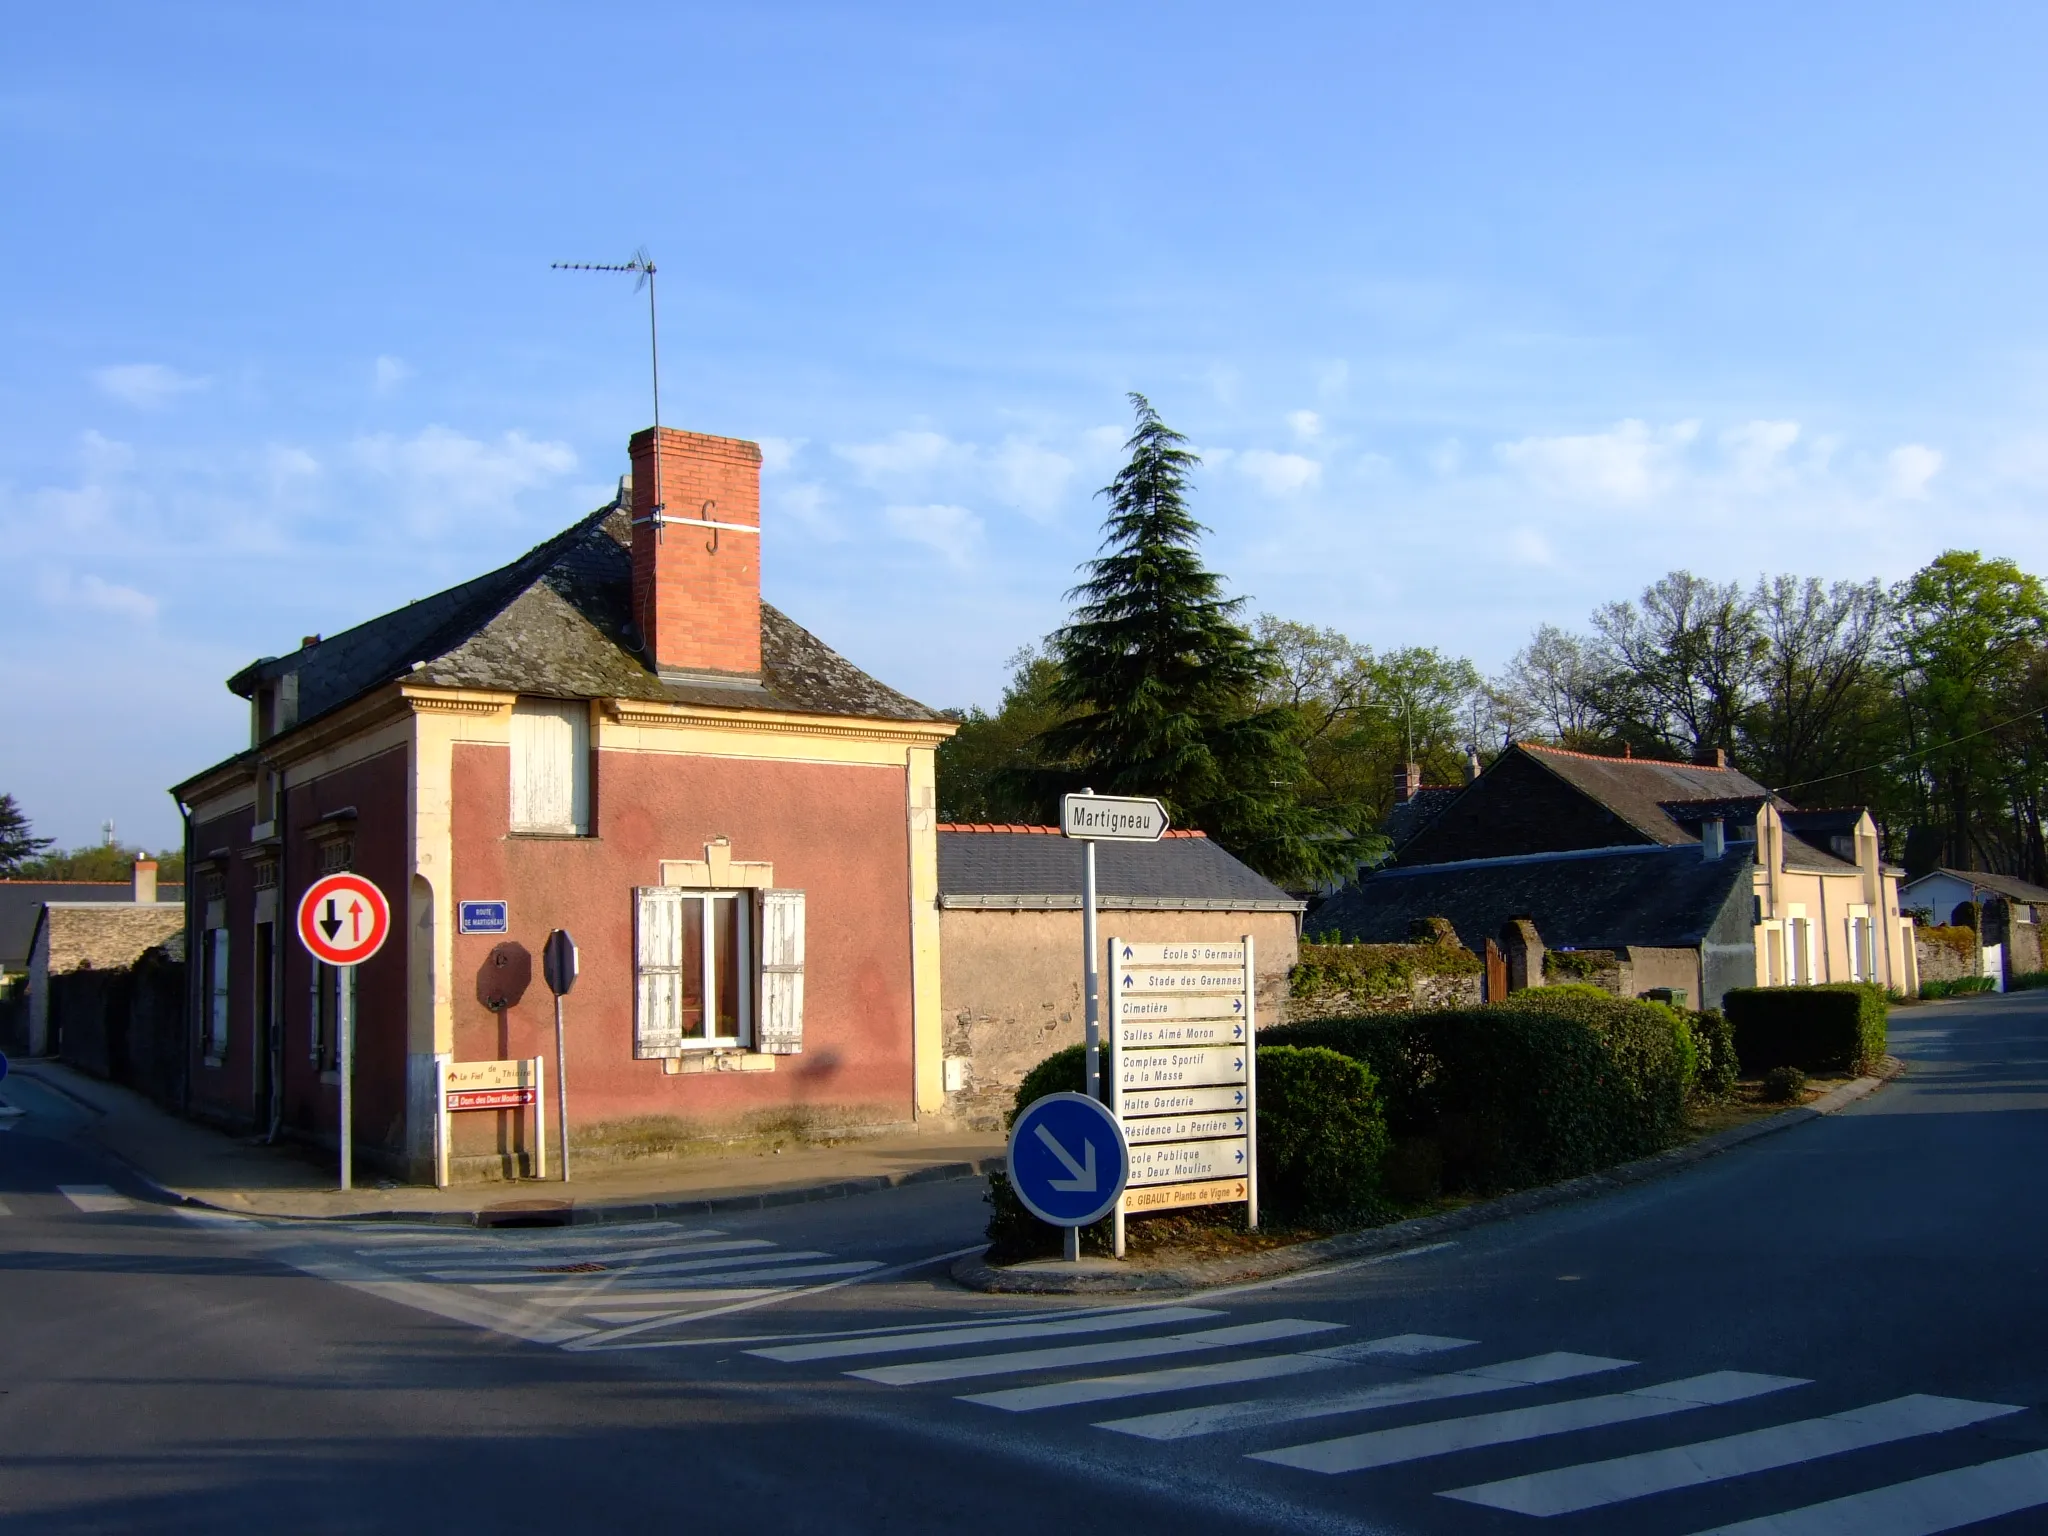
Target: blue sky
x,y
1480,315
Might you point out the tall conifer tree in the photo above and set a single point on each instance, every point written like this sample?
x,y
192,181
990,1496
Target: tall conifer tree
x,y
1163,682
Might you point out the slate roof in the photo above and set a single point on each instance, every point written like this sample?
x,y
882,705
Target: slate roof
x,y
22,900
1638,789
1596,898
557,622
1410,816
2009,886
1013,867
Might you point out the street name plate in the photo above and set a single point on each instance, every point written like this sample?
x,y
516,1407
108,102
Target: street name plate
x,y
1112,818
1181,1007
1132,953
1135,1036
482,1076
1195,1067
1145,981
1160,1128
1172,1197
1178,1101
1179,1162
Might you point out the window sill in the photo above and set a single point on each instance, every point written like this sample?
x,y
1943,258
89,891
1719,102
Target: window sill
x,y
716,1060
550,835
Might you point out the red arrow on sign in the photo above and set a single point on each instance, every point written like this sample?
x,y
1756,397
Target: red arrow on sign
x,y
335,903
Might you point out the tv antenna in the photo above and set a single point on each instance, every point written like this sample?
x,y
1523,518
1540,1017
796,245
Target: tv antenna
x,y
642,266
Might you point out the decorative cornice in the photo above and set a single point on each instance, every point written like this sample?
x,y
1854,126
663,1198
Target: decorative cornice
x,y
438,701
640,712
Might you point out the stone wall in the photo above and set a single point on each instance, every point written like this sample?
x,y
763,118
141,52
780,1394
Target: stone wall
x,y
127,1026
1424,993
1940,958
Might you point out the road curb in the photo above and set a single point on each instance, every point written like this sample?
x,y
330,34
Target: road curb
x,y
976,1274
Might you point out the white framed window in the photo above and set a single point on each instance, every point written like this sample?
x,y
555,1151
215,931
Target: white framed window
x,y
551,766
216,952
1862,945
1799,949
701,982
334,1004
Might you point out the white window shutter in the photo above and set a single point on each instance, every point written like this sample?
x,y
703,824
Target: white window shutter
x,y
658,972
550,766
782,973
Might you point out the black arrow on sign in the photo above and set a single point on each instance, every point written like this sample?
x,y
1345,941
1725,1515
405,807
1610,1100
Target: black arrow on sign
x,y
330,924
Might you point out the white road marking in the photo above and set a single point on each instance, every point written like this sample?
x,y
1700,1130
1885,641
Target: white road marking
x,y
626,1285
1535,1371
844,1348
1417,1442
960,1368
4,1211
1945,1501
480,1261
1182,1378
95,1199
1565,1490
498,1275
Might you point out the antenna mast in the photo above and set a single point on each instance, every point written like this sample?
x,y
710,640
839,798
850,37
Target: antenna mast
x,y
642,265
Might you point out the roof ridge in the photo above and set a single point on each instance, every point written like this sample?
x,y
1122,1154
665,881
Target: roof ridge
x,y
1646,762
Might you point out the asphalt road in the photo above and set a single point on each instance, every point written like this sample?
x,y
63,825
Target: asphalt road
x,y
1839,1329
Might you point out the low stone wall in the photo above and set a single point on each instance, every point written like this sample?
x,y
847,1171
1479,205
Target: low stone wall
x,y
126,1026
1945,954
1423,994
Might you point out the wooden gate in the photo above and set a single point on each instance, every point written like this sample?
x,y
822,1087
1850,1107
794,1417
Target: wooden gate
x,y
1496,972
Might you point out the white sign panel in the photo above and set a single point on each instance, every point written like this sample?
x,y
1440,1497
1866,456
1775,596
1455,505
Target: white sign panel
x,y
1151,1129
1153,980
1130,953
1136,1036
1180,1162
1112,818
1153,1008
1180,1101
1195,1067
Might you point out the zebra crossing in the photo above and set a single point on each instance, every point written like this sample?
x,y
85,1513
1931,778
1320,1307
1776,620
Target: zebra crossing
x,y
1057,1356
570,1286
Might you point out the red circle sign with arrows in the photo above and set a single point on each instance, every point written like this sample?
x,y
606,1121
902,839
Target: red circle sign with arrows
x,y
343,919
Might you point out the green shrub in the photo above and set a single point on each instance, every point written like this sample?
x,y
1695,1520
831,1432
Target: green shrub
x,y
1718,1065
1322,1133
1551,1083
2027,981
1966,915
1577,964
1835,1027
1013,1232
1784,1085
1961,986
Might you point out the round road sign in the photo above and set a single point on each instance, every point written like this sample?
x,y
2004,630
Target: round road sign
x,y
343,919
1068,1161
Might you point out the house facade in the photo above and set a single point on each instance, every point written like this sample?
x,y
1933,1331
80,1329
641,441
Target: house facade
x,y
1693,867
612,735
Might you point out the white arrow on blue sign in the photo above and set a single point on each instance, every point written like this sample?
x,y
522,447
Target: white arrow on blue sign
x,y
1068,1161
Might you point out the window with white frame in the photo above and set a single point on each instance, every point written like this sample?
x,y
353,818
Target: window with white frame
x,y
1862,948
216,952
334,1006
1799,951
717,970
551,766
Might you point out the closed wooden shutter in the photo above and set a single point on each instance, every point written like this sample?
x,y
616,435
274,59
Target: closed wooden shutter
x,y
782,973
658,972
550,766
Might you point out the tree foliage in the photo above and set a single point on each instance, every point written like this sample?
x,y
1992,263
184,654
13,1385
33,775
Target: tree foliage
x,y
18,842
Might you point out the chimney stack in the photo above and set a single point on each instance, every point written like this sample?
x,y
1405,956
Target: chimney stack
x,y
145,881
1472,767
1407,782
1713,839
1710,757
697,557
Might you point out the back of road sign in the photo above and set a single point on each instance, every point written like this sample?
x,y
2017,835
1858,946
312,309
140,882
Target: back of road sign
x,y
558,962
1068,1161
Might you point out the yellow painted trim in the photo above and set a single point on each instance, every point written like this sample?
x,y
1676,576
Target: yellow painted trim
x,y
225,804
634,713
927,1023
718,870
699,739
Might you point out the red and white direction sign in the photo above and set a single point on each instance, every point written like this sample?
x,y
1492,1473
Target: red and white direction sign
x,y
343,919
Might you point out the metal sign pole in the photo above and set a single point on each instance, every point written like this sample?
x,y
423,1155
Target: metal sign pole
x,y
347,1044
1116,1085
1091,975
561,1088
1251,1085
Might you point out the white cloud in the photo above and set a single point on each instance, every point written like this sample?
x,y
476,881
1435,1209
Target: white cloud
x,y
61,590
389,372
902,455
439,472
146,386
1031,478
1912,466
778,454
810,505
952,531
1529,547
1756,449
1307,425
1279,474
1630,463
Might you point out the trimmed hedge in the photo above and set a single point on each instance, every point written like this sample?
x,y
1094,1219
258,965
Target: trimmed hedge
x,y
1551,1083
1719,1063
1830,1028
1321,1138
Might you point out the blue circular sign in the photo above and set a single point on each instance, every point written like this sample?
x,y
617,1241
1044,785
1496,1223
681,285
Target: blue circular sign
x,y
1068,1161
3,1066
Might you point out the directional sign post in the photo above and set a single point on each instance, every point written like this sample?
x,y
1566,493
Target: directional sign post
x,y
343,920
1094,819
1068,1162
558,965
1185,1091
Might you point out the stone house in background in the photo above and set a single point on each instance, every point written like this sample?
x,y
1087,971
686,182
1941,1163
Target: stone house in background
x,y
2010,913
1010,930
614,735
1690,876
108,933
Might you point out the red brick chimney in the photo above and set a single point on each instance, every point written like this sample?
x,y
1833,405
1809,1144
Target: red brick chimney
x,y
1407,782
697,558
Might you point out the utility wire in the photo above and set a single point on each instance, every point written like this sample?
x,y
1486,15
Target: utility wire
x,y
1904,757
